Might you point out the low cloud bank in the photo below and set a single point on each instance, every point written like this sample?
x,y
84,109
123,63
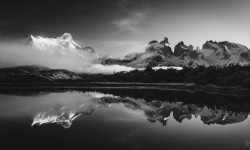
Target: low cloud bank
x,y
16,54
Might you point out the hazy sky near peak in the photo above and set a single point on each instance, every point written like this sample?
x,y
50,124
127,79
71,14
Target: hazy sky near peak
x,y
119,27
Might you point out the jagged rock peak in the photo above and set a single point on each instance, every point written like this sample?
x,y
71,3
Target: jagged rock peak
x,y
215,42
181,49
66,36
153,42
181,43
51,44
191,47
30,37
183,46
210,45
211,41
165,41
162,48
29,40
198,49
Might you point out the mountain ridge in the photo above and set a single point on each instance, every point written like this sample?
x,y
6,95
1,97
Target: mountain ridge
x,y
212,53
64,42
158,53
32,73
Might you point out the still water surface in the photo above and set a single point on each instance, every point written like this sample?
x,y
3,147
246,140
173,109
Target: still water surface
x,y
114,118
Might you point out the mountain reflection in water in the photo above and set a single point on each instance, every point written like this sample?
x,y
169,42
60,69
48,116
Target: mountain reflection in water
x,y
183,105
68,105
154,111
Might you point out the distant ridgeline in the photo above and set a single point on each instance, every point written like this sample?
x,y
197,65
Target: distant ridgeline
x,y
232,75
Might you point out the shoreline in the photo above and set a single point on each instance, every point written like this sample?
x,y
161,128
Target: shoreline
x,y
190,87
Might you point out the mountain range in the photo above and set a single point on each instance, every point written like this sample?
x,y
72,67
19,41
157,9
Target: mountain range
x,y
156,53
161,54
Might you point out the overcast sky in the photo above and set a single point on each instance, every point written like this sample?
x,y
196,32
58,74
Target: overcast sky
x,y
119,27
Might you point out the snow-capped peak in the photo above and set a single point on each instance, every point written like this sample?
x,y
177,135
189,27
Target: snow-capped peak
x,y
66,36
42,43
29,40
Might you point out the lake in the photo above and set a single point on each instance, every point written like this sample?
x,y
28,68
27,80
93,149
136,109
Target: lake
x,y
122,118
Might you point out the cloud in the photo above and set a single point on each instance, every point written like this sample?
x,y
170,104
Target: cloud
x,y
131,23
15,54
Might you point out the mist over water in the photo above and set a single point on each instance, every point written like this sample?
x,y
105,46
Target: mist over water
x,y
13,53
